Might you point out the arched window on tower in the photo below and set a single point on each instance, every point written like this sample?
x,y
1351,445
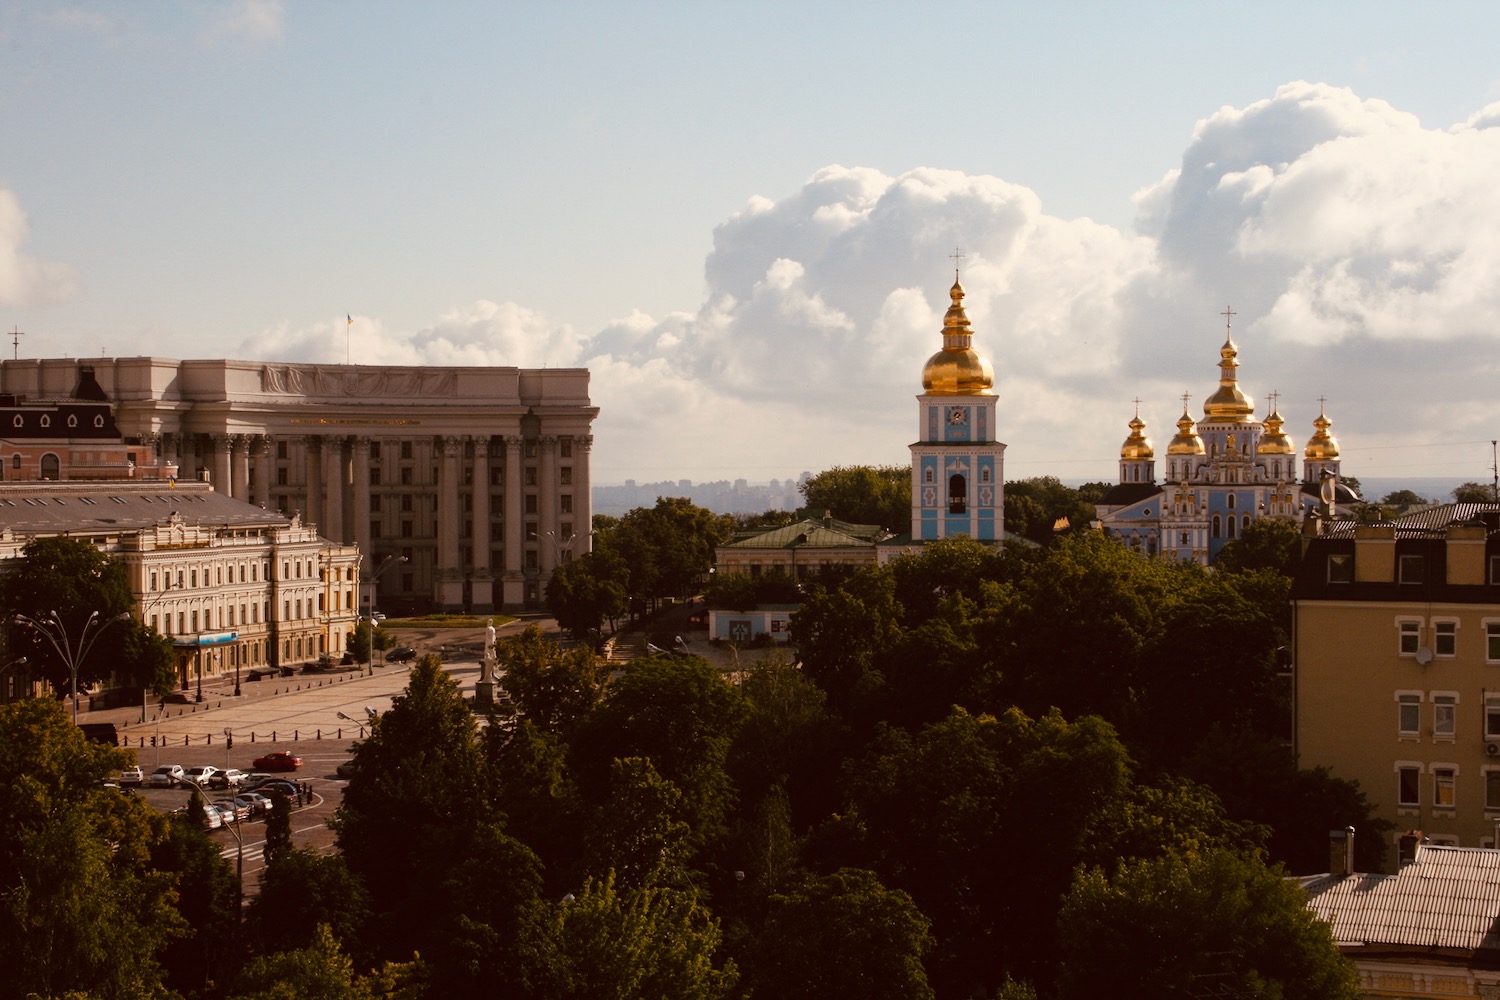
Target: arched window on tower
x,y
1229,501
958,494
1229,523
50,466
1244,522
1216,526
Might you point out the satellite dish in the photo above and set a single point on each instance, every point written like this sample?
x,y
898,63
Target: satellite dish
x,y
1424,655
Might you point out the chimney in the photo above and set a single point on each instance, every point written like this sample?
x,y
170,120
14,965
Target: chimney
x,y
1341,852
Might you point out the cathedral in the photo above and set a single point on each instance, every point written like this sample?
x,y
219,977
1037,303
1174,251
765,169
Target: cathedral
x,y
1221,473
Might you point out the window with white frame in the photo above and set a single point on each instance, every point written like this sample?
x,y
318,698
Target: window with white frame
x,y
1408,785
1492,641
1444,715
1411,635
1492,788
1444,786
1409,714
1445,638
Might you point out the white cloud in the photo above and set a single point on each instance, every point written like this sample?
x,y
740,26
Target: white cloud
x,y
25,280
253,21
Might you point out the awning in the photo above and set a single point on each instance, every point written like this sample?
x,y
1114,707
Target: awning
x,y
206,639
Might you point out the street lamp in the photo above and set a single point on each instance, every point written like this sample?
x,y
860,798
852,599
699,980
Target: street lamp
x,y
52,629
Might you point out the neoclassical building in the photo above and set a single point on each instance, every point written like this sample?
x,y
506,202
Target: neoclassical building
x,y
1222,472
461,487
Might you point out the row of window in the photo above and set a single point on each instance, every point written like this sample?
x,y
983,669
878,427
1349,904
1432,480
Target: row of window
x,y
1442,786
1444,634
1411,569
249,614
529,448
290,569
1444,715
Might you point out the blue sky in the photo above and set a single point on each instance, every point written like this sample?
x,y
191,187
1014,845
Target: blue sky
x,y
738,215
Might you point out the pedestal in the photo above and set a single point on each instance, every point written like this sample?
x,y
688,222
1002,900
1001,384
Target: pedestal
x,y
484,694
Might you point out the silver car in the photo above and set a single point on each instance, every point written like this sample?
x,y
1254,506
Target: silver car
x,y
166,776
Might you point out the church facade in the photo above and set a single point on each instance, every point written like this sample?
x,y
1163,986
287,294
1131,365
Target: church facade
x,y
1222,472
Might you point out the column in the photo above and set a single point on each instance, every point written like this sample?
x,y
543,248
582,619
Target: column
x,y
312,485
547,505
361,490
583,495
265,472
450,572
515,585
221,478
483,581
239,450
333,500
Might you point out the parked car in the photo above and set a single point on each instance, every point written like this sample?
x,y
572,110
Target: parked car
x,y
201,774
239,811
347,769
231,778
166,776
130,777
377,616
212,817
260,804
279,786
278,760
401,654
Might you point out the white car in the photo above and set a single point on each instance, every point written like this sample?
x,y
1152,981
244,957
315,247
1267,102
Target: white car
x,y
202,774
231,778
130,777
166,776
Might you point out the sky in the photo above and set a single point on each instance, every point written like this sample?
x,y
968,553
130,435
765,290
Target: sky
x,y
741,216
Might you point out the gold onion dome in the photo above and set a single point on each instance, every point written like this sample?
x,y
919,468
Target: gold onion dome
x,y
1273,441
1322,446
1138,445
957,370
1228,403
1187,441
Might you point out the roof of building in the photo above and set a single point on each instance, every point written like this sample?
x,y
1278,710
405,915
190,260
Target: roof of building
x,y
1448,897
52,508
810,533
1125,494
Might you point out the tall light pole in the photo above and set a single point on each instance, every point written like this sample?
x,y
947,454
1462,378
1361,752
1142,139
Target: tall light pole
x,y
51,628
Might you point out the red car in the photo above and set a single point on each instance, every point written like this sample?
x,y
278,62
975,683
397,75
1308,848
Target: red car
x,y
281,760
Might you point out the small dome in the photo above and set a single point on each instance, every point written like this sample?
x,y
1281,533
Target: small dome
x,y
1138,445
1187,441
1228,403
957,370
1273,441
1322,446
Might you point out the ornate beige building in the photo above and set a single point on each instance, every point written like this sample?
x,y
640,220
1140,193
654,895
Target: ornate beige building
x,y
461,487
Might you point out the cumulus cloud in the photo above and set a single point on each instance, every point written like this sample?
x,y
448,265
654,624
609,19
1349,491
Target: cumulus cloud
x,y
1357,248
25,280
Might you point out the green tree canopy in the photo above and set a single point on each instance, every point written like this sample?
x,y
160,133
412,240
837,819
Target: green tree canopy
x,y
585,592
863,494
1182,923
1474,493
1397,498
1273,543
551,686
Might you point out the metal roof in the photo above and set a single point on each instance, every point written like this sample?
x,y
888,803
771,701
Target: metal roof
x,y
1449,897
810,534
56,508
1426,522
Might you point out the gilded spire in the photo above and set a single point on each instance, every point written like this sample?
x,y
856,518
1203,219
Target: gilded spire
x,y
1228,403
1186,441
1322,446
957,370
1137,445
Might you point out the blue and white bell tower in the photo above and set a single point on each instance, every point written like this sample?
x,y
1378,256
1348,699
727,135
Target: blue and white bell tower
x,y
957,465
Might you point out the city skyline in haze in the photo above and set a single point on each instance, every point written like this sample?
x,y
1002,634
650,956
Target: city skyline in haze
x,y
739,217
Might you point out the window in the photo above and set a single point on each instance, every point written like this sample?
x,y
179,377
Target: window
x,y
531,531
566,531
1216,530
1495,569
531,503
958,494
406,503
1408,786
1444,780
281,450
1412,569
406,529
374,477
374,451
1492,641
1444,716
281,477
153,581
565,447
375,503
1229,501
406,477
1341,568
497,476
567,475
566,501
1445,638
531,559
406,450
1408,714
1411,636
1492,717
529,478
530,448
50,466
374,528
195,578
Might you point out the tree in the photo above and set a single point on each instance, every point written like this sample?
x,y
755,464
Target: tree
x,y
1273,543
551,686
585,592
146,659
80,584
82,907
840,632
1474,493
611,943
1051,504
362,641
1403,498
319,971
1172,925
301,891
666,549
863,494
207,900
278,827
843,935
638,833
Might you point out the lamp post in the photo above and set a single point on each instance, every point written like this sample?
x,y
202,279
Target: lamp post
x,y
386,563
51,628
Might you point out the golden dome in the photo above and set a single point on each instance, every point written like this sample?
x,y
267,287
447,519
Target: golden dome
x,y
1273,441
1228,403
1138,445
957,370
1322,446
1187,441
